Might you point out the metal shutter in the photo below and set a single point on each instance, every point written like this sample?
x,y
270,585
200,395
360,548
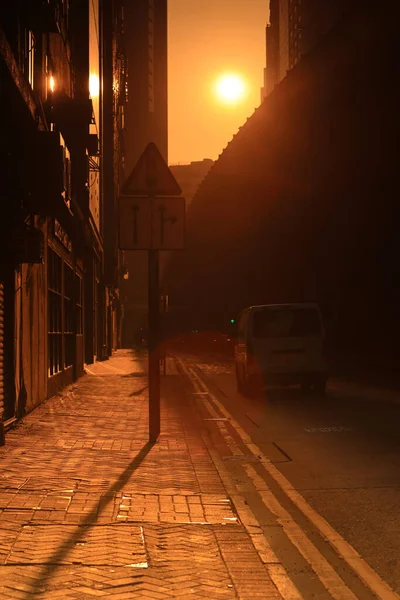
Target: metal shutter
x,y
1,350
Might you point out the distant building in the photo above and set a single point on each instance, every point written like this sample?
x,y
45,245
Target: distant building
x,y
146,117
146,120
189,176
271,71
295,27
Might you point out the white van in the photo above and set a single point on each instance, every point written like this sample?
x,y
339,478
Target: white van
x,y
281,344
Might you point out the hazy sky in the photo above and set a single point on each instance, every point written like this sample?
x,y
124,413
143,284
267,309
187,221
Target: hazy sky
x,y
206,39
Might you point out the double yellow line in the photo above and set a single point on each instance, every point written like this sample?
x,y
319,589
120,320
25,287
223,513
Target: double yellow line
x,y
330,579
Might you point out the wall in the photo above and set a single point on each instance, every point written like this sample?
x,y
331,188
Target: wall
x,y
301,204
30,336
145,121
283,38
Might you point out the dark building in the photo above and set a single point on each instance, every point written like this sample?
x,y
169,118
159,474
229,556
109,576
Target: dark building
x,y
302,204
146,115
115,94
55,194
295,27
271,71
190,175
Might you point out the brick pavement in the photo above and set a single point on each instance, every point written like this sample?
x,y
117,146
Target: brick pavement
x,y
89,509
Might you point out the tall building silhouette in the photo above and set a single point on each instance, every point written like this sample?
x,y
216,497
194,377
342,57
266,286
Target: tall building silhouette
x,y
146,49
146,120
295,27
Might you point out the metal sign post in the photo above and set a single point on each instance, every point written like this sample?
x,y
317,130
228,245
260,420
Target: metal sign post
x,y
163,310
154,358
152,217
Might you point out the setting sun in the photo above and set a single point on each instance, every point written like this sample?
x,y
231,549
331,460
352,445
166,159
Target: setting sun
x,y
230,88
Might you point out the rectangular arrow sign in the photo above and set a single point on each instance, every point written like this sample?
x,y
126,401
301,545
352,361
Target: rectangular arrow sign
x,y
134,223
151,223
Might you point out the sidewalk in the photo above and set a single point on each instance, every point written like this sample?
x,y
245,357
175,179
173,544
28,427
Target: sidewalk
x,y
89,509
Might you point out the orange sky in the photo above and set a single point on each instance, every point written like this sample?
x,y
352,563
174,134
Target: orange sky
x,y
207,38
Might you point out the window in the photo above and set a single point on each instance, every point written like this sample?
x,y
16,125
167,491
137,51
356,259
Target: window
x,y
286,322
79,304
30,57
69,303
54,294
67,179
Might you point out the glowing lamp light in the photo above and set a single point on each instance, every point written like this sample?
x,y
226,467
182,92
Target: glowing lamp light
x,y
94,85
52,83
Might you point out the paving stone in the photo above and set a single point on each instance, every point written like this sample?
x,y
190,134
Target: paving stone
x,y
82,495
87,545
176,508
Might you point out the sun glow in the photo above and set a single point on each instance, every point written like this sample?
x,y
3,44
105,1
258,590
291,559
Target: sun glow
x,y
230,88
94,85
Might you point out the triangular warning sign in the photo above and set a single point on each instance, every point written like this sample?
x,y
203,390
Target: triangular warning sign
x,y
151,176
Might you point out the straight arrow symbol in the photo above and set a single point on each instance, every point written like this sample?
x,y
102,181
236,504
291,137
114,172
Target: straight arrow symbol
x,y
135,224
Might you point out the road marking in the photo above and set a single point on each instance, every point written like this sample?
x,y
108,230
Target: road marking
x,y
333,583
328,429
276,570
349,554
320,565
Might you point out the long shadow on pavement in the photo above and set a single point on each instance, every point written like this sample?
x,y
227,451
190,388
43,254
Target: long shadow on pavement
x,y
135,374
140,391
55,561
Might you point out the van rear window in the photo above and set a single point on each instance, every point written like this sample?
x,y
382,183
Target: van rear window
x,y
278,323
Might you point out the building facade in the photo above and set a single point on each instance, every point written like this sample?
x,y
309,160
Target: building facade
x,y
295,27
114,66
146,113
146,120
53,250
190,175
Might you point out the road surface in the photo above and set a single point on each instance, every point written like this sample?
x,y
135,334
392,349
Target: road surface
x,y
320,476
